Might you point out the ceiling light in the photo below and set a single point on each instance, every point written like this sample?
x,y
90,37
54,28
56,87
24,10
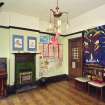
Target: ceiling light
x,y
56,17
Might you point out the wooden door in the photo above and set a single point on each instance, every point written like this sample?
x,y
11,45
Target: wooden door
x,y
75,57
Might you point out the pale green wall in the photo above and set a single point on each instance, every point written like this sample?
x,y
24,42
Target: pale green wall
x,y
6,51
4,46
65,55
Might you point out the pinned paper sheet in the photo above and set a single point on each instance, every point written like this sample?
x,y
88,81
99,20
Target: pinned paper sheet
x,y
73,65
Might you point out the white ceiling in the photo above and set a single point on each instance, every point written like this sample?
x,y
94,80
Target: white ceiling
x,y
40,8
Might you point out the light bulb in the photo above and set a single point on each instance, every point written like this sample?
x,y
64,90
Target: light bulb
x,y
59,30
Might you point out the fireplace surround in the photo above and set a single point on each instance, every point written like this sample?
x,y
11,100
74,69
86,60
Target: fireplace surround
x,y
24,68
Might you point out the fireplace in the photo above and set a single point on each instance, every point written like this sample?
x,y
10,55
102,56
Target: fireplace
x,y
24,68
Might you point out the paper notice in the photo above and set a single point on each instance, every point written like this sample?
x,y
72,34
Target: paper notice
x,y
73,65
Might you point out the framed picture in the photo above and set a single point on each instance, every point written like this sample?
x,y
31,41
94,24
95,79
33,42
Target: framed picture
x,y
18,43
32,43
44,39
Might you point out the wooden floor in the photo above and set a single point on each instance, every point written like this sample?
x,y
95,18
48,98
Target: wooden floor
x,y
60,93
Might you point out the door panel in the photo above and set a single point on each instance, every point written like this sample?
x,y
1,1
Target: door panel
x,y
75,57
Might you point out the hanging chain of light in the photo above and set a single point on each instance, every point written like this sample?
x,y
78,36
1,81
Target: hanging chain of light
x,y
55,19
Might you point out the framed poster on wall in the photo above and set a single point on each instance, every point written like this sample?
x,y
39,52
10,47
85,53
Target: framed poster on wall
x,y
18,43
31,43
44,39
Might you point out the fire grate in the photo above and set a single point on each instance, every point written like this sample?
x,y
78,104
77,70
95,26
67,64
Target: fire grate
x,y
25,77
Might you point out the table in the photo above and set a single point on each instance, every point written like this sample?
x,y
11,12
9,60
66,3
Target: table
x,y
97,85
81,80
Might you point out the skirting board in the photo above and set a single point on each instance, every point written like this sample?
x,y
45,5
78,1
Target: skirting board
x,y
48,80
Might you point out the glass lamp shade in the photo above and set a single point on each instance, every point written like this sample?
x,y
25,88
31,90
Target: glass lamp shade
x,y
67,27
50,26
59,23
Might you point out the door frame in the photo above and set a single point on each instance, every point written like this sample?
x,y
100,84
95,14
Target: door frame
x,y
69,55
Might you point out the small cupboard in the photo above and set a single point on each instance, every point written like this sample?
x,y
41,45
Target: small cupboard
x,y
95,72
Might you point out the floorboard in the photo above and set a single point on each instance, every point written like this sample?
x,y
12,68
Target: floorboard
x,y
59,93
